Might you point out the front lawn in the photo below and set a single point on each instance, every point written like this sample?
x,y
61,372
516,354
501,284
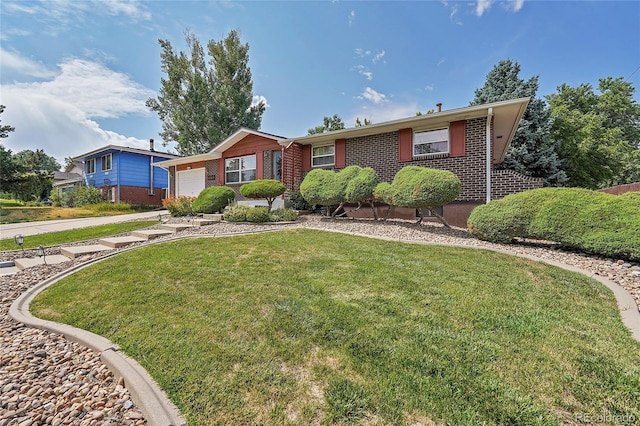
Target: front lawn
x,y
307,327
74,235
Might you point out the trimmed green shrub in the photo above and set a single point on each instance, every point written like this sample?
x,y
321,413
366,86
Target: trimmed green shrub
x,y
577,218
420,187
179,206
236,213
383,193
313,187
284,215
297,201
258,215
268,189
213,199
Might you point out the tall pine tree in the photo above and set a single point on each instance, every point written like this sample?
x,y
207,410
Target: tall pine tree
x,y
532,151
200,106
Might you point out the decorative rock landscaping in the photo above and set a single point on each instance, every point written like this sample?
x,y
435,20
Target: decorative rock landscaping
x,y
47,380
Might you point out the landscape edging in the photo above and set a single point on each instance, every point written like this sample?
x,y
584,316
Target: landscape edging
x,y
153,402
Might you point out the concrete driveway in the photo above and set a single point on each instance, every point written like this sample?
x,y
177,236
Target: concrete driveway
x,y
46,226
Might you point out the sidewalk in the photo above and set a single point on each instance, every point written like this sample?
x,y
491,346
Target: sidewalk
x,y
33,228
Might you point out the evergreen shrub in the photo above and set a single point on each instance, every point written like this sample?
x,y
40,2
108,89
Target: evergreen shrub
x,y
284,215
236,213
213,199
258,214
577,218
268,189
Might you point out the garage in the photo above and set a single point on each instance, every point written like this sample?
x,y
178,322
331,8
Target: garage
x,y
190,182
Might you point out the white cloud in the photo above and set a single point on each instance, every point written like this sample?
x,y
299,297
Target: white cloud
x,y
441,61
352,17
132,9
385,112
59,115
257,99
14,63
378,56
372,96
513,5
453,16
429,88
362,70
482,6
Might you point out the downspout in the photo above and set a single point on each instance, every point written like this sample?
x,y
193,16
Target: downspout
x,y
119,159
151,167
488,154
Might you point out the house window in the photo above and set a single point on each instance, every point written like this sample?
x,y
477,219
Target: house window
x,y
106,162
277,165
322,155
91,166
110,195
240,169
432,142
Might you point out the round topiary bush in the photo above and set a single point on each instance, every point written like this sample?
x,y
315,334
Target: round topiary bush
x,y
258,215
213,199
236,213
268,189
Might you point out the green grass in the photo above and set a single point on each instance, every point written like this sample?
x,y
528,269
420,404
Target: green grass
x,y
306,327
82,234
14,212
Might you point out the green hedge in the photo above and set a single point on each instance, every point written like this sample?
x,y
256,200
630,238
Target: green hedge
x,y
577,218
268,189
213,199
236,213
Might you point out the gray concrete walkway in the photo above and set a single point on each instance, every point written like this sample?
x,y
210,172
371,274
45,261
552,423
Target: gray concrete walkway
x,y
34,228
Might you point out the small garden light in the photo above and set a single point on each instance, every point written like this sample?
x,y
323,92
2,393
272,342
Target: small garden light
x,y
41,253
19,239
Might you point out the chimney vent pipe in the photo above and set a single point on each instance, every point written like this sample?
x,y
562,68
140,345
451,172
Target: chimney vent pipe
x,y
150,144
439,107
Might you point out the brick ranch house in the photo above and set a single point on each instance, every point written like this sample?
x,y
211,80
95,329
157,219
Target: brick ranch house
x,y
467,141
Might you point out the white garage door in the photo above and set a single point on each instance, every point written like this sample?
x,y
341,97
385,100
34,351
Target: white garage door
x,y
191,182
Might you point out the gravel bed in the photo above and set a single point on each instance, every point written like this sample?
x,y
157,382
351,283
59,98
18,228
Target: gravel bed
x,y
48,380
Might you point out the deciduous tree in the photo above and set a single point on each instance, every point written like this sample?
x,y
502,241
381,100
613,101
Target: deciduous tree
x,y
598,133
201,105
329,124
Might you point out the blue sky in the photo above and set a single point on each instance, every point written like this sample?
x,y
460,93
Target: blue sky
x,y
75,74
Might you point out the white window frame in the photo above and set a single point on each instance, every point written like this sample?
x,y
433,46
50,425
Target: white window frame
x,y
106,158
91,166
319,156
428,137
240,169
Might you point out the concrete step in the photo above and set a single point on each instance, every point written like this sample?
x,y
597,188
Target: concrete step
x,y
77,251
204,222
176,227
8,270
117,242
30,262
215,217
150,234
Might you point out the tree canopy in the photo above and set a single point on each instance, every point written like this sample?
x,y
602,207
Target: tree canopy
x,y
6,129
329,124
532,151
200,104
598,133
26,175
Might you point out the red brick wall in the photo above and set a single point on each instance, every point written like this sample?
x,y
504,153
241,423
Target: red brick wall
x,y
621,189
292,166
139,195
381,153
505,182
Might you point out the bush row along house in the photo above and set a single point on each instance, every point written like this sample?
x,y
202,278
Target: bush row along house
x,y
468,141
122,174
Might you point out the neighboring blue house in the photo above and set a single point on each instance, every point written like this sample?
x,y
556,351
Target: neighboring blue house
x,y
127,174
